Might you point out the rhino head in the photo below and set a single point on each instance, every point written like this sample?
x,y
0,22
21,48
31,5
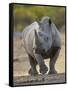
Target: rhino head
x,y
42,41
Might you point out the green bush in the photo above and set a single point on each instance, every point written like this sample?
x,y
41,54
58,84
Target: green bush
x,y
26,14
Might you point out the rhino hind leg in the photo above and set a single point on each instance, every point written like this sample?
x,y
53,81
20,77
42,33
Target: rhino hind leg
x,y
53,60
33,63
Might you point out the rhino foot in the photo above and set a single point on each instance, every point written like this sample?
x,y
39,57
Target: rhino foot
x,y
31,72
52,72
43,69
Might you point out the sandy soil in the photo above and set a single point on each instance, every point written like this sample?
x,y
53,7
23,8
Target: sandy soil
x,y
39,79
21,62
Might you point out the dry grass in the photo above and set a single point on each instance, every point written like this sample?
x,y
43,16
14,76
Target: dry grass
x,y
21,66
21,61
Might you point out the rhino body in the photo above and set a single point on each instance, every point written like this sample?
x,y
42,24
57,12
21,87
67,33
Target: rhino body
x,y
41,41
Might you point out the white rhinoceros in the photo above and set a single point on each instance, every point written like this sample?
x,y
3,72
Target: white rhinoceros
x,y
41,41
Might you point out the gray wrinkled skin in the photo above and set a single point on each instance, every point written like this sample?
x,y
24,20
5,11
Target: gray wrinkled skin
x,y
41,41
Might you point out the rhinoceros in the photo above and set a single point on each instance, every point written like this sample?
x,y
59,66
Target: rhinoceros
x,y
42,41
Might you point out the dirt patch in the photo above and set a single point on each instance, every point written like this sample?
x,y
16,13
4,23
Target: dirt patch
x,y
39,79
21,63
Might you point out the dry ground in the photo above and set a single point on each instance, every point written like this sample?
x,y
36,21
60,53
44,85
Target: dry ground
x,y
21,62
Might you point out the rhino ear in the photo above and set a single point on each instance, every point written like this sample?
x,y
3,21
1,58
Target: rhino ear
x,y
36,38
50,22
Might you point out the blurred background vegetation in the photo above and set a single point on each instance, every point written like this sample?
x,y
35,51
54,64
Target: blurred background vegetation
x,y
26,14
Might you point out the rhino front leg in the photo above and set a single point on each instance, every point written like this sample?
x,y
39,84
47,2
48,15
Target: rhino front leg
x,y
43,67
53,62
33,63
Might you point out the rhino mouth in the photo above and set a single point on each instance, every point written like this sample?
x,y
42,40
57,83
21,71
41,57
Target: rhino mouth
x,y
40,51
